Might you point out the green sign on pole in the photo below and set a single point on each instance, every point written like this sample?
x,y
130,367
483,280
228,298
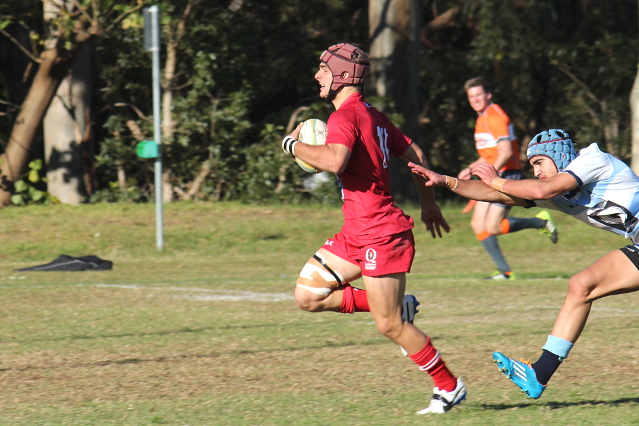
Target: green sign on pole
x,y
147,149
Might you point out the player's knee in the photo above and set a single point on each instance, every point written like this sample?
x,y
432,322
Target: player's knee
x,y
303,301
315,283
310,299
306,304
580,286
477,226
307,299
389,327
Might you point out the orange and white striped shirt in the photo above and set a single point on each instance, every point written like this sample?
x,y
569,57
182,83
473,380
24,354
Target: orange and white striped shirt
x,y
492,126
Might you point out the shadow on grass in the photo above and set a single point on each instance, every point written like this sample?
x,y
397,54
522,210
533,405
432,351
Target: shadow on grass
x,y
481,278
556,405
115,336
184,330
198,356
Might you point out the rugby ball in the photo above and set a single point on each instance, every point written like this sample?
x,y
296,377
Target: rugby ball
x,y
313,132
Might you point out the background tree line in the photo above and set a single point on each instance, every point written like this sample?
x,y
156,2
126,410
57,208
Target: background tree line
x,y
75,87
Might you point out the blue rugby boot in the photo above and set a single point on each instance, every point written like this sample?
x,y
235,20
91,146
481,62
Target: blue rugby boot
x,y
521,373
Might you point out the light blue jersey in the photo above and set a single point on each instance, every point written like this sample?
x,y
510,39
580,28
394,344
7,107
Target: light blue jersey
x,y
607,196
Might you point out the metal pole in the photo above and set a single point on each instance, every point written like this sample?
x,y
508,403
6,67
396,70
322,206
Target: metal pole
x,y
157,131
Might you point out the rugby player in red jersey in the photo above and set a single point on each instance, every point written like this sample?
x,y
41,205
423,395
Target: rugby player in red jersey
x,y
376,241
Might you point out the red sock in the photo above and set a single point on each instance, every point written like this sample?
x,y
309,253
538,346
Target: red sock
x,y
354,300
429,360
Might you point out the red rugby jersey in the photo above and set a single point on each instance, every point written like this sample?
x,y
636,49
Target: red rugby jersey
x,y
369,209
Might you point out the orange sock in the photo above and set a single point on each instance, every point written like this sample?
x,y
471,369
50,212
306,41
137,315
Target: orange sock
x,y
505,226
429,360
482,235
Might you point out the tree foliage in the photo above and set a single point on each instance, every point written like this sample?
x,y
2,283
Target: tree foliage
x,y
245,67
74,25
567,64
242,68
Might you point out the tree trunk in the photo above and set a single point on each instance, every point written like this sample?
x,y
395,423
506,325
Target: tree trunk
x,y
67,135
55,62
168,126
394,54
51,71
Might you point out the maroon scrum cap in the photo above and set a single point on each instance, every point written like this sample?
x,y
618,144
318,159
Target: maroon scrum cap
x,y
347,63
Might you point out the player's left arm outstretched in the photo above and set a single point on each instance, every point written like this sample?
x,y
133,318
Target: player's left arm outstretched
x,y
473,189
431,214
544,188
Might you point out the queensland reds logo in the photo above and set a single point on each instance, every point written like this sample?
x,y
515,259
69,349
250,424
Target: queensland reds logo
x,y
371,255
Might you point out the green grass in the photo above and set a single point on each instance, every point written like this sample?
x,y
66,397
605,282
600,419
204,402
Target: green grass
x,y
206,332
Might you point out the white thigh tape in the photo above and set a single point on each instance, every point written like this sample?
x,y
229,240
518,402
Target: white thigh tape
x,y
311,272
322,291
325,264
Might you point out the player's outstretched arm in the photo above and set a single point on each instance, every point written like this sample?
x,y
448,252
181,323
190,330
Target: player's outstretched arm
x,y
473,189
528,189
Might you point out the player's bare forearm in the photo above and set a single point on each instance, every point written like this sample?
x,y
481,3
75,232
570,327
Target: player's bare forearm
x,y
473,189
426,193
330,158
478,190
527,189
414,155
431,215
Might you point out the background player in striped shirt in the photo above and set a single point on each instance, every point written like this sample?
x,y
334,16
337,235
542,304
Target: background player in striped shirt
x,y
496,144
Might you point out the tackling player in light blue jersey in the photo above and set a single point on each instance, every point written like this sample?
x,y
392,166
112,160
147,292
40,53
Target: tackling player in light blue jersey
x,y
607,195
594,187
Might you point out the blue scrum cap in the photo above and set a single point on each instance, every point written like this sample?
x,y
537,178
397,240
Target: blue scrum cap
x,y
554,144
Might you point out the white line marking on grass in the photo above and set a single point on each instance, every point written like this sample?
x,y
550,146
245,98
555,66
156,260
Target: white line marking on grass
x,y
211,295
239,296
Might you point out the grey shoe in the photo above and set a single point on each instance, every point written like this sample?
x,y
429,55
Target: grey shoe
x,y
409,308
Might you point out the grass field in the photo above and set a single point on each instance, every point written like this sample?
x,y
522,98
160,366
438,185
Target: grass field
x,y
206,332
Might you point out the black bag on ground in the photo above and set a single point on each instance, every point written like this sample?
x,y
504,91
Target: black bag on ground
x,y
70,263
